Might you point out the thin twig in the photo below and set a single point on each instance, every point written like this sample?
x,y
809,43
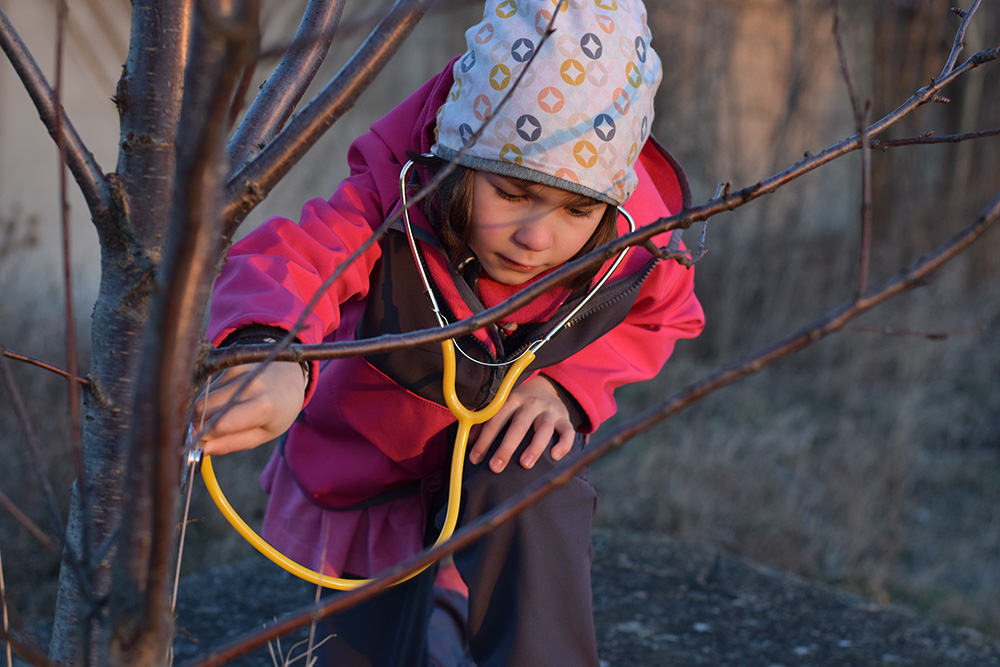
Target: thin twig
x,y
75,427
959,42
930,138
226,357
929,335
3,609
860,117
87,172
84,382
26,521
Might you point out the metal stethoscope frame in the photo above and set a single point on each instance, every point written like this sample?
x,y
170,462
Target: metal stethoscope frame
x,y
466,419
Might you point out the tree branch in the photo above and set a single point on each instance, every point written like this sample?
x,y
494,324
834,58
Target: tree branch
x,y
247,187
149,102
40,364
224,358
38,465
930,138
222,44
79,159
860,118
824,326
959,42
284,88
28,524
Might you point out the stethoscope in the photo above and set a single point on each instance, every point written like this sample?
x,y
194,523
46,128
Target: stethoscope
x,y
465,417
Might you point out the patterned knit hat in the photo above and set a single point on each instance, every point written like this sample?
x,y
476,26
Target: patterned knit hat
x,y
583,110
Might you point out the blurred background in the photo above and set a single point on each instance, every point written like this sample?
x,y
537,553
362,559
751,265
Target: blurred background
x,y
870,461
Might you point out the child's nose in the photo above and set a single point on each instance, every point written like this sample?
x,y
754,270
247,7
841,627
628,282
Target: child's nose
x,y
534,235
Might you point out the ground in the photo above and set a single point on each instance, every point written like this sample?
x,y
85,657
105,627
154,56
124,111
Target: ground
x,y
658,603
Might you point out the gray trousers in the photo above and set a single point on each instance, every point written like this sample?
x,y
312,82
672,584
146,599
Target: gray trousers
x,y
530,600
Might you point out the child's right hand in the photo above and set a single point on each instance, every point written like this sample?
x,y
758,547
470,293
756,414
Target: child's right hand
x,y
263,411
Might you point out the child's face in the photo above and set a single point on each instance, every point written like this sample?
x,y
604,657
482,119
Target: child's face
x,y
522,229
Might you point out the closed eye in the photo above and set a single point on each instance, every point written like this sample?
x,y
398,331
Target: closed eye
x,y
506,196
580,212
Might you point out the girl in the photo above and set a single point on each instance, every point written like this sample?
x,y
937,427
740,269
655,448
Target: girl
x,y
356,483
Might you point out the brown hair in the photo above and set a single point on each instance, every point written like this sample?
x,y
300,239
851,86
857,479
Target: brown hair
x,y
449,209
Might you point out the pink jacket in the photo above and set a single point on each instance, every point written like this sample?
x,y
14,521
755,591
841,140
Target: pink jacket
x,y
360,433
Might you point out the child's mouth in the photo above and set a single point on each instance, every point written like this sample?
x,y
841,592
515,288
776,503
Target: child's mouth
x,y
515,266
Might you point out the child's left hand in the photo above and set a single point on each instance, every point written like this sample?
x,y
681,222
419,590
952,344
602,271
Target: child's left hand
x,y
533,404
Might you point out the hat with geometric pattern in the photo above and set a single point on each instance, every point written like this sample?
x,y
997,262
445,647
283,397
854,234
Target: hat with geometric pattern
x,y
579,116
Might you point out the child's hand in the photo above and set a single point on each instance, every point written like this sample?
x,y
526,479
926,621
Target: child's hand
x,y
533,404
264,410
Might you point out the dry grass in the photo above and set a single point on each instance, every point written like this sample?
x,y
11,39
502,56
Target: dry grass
x,y
871,461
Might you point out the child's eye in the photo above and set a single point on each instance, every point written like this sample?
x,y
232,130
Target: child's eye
x,y
506,196
579,212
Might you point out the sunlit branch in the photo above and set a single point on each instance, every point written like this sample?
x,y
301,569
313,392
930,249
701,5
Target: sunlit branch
x,y
223,358
149,98
254,181
222,43
282,91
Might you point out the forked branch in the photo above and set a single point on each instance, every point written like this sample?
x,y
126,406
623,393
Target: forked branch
x,y
248,187
282,91
79,159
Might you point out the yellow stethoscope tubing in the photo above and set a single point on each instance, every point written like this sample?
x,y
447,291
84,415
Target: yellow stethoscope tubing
x,y
466,420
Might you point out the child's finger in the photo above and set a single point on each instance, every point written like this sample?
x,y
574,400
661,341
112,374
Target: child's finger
x,y
517,430
235,442
487,433
539,442
567,436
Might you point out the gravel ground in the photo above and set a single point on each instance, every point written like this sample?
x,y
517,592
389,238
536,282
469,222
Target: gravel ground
x,y
658,602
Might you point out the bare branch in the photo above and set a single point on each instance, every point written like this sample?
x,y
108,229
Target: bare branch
x,y
284,88
824,326
149,101
80,160
223,42
224,358
425,191
929,335
26,521
75,428
860,117
40,364
959,42
40,469
3,604
248,187
25,647
930,138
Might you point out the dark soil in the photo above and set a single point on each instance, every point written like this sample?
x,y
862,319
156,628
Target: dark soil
x,y
658,602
